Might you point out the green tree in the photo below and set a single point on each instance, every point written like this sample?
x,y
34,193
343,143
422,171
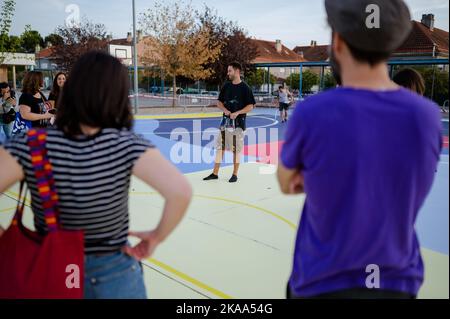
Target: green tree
x,y
6,16
180,46
308,81
14,44
436,83
30,39
78,40
54,39
257,77
436,89
235,45
329,82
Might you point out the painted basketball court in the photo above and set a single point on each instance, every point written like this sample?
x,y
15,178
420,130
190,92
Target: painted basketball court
x,y
237,240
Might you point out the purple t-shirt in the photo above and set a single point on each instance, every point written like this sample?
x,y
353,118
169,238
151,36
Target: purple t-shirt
x,y
369,160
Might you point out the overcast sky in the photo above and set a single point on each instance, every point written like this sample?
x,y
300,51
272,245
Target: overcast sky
x,y
294,22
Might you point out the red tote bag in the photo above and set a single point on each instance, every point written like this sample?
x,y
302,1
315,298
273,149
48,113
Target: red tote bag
x,y
35,266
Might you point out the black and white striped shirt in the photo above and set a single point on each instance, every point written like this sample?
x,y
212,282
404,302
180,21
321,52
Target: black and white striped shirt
x,y
92,179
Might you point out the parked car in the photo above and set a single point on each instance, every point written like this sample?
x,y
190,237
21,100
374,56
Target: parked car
x,y
210,93
191,91
179,90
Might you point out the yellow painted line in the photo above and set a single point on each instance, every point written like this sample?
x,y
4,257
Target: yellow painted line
x,y
178,116
16,195
7,209
189,279
266,211
164,266
292,225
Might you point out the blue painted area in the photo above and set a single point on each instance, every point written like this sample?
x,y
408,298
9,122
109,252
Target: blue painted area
x,y
195,157
432,223
445,127
445,133
202,132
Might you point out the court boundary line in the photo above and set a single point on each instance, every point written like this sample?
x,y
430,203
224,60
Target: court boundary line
x,y
174,271
7,209
189,279
177,116
232,201
274,122
175,280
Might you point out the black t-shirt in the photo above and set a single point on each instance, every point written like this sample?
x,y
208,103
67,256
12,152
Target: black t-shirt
x,y
235,97
52,97
37,105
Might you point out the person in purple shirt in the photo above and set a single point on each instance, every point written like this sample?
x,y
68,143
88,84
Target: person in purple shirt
x,y
365,155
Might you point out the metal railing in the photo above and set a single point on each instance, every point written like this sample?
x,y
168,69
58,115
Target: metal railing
x,y
444,107
187,101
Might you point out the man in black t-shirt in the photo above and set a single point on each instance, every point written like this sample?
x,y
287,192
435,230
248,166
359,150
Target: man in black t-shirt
x,y
235,100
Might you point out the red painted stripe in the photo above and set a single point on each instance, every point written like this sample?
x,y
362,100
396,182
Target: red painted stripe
x,y
267,153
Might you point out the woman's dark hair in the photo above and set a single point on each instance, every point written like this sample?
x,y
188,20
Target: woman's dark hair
x,y
410,79
32,82
95,94
56,90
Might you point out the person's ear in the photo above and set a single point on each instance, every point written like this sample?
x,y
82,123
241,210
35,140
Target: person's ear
x,y
340,47
338,43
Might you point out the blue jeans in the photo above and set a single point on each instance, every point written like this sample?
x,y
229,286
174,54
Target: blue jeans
x,y
6,129
114,276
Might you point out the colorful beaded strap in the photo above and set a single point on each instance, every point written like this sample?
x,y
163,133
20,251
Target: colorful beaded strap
x,y
44,177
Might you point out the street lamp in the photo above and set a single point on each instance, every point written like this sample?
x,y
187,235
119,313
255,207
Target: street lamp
x,y
135,60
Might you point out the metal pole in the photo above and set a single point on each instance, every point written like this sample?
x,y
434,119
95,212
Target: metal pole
x,y
301,82
135,58
322,71
433,82
14,78
163,83
290,75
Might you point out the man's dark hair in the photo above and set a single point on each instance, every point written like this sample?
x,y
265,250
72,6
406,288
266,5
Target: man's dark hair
x,y
236,66
373,58
95,94
4,85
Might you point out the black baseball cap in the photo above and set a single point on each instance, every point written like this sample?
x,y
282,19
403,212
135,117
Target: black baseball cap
x,y
354,21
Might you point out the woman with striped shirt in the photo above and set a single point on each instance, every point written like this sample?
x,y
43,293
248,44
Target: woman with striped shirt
x,y
93,153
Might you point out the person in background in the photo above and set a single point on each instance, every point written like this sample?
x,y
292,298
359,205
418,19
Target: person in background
x,y
410,79
284,99
58,84
94,152
236,100
33,106
346,149
7,110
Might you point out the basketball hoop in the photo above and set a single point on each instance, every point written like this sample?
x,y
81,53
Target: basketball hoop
x,y
126,62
